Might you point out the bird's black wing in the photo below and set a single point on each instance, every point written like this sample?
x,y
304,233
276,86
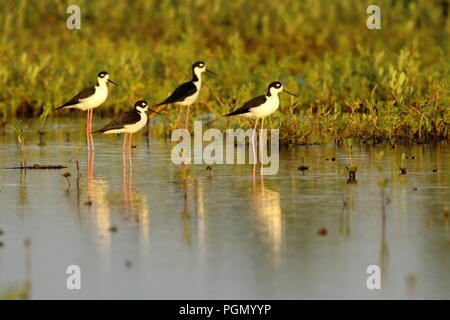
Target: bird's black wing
x,y
182,92
82,95
255,102
120,121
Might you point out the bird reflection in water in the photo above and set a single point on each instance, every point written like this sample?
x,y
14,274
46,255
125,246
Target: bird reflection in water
x,y
267,205
185,179
98,203
90,177
135,206
193,189
201,216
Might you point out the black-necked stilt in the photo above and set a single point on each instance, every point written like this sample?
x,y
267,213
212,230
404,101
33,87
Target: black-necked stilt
x,y
187,93
128,123
261,106
88,99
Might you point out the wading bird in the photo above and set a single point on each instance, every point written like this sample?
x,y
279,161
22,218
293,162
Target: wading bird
x,y
128,123
88,99
261,106
187,93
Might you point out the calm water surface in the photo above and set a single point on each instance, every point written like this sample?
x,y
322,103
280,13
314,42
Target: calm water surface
x,y
190,235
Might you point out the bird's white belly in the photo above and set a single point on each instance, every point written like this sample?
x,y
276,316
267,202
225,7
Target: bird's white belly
x,y
131,128
100,95
189,100
265,110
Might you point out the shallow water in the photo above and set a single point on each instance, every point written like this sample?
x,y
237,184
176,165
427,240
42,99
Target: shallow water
x,y
191,235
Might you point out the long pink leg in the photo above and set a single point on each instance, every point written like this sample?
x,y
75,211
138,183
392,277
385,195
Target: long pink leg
x,y
124,182
90,176
262,183
187,118
131,184
254,142
90,131
90,165
261,148
254,130
179,116
123,150
129,151
87,132
253,147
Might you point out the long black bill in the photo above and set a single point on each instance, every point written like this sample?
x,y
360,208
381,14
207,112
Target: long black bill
x,y
209,71
112,82
289,93
151,110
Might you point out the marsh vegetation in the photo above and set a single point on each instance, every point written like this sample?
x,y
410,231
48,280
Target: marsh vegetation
x,y
389,85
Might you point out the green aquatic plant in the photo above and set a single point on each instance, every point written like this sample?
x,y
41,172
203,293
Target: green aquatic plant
x,y
20,130
302,167
352,168
402,164
45,112
41,133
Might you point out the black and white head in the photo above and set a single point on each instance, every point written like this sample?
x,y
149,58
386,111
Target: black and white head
x,y
142,106
199,67
275,88
103,77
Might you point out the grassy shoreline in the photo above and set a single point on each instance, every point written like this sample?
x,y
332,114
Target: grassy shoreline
x,y
389,85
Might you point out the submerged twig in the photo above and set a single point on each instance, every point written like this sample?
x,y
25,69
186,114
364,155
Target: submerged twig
x,y
39,166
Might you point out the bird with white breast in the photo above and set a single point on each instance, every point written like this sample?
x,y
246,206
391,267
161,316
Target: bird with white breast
x,y
88,99
128,122
187,93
